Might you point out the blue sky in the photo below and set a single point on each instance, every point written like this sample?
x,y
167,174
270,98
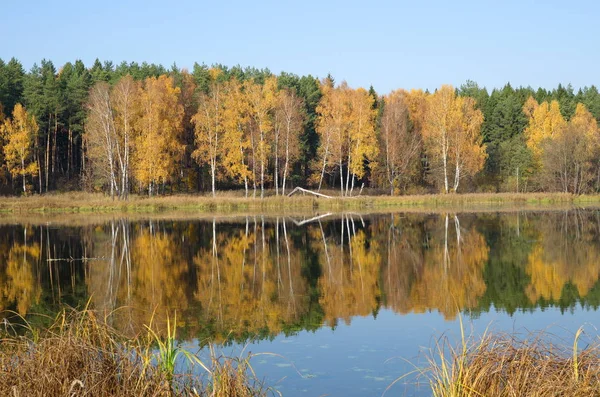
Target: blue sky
x,y
389,44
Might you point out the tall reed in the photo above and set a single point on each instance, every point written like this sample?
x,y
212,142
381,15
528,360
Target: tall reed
x,y
79,354
503,365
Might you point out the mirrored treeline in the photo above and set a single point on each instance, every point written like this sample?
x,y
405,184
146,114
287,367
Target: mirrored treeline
x,y
258,277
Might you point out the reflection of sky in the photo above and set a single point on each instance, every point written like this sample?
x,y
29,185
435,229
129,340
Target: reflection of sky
x,y
364,358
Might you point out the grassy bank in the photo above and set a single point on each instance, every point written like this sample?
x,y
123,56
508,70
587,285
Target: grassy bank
x,y
503,365
234,202
79,354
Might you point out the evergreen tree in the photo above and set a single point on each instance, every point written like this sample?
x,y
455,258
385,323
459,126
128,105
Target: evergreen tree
x,y
11,84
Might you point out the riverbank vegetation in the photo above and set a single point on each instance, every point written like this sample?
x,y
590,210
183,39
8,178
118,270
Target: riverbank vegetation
x,y
235,203
79,353
144,129
497,365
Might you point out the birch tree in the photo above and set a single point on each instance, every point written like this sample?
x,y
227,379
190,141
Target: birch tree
x,y
289,122
123,97
436,133
569,156
400,144
545,120
100,137
158,146
109,133
452,136
332,126
236,141
468,151
209,125
362,140
19,134
262,101
329,121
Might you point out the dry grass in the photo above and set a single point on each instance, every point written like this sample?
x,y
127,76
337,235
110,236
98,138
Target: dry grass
x,y
501,365
234,202
80,355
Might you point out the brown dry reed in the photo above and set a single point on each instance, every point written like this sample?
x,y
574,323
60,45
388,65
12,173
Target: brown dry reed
x,y
79,354
504,365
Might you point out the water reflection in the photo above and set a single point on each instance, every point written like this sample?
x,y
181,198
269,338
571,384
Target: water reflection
x,y
260,277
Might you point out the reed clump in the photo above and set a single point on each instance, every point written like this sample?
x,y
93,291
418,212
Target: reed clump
x,y
79,354
502,365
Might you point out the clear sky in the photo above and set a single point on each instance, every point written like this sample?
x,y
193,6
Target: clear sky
x,y
389,44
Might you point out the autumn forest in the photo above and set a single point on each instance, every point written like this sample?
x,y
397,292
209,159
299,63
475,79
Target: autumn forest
x,y
146,129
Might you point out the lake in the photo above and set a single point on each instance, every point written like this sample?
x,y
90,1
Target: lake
x,y
343,303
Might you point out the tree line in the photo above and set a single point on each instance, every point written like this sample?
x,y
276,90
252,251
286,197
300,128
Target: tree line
x,y
142,128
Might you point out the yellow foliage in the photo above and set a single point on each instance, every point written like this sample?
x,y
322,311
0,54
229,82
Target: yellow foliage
x,y
346,126
236,141
250,281
19,134
566,252
452,278
544,121
452,137
158,147
21,285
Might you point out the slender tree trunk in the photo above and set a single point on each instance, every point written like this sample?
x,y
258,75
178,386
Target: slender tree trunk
x,y
37,159
325,164
284,176
82,171
262,164
253,144
287,157
212,176
54,150
70,153
444,160
23,173
245,175
456,177
348,175
47,160
341,179
276,164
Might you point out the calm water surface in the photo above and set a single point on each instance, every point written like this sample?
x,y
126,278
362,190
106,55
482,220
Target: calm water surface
x,y
343,300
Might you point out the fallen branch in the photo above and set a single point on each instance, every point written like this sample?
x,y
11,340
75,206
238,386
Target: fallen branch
x,y
71,259
299,189
305,221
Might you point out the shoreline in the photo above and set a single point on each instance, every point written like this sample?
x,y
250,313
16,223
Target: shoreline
x,y
228,203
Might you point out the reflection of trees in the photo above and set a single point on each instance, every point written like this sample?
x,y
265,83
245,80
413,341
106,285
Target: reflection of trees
x,y
452,277
110,267
510,237
349,282
259,277
403,237
411,263
141,272
250,281
568,251
18,281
